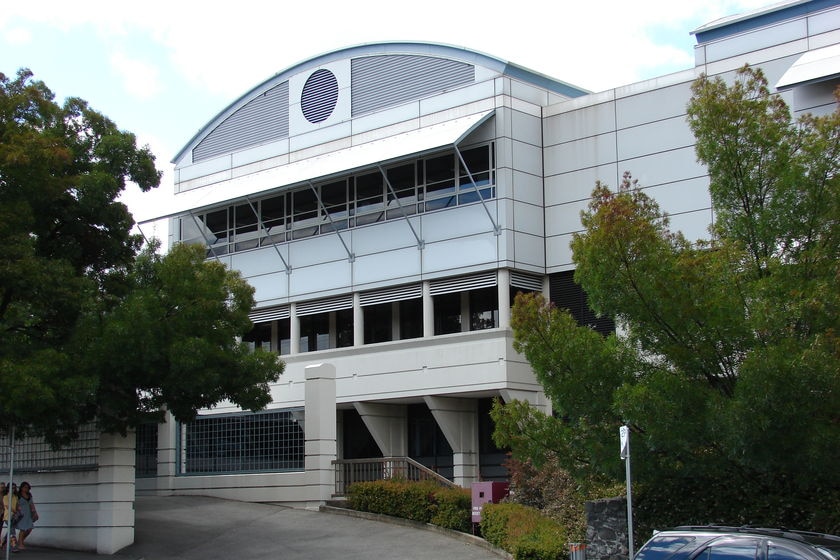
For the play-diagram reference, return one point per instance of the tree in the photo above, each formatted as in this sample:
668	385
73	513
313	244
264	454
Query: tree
727	365
72	282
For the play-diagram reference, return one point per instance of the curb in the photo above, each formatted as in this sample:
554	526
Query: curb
457	535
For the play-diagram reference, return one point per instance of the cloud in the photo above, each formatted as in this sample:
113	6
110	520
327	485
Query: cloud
140	79
18	36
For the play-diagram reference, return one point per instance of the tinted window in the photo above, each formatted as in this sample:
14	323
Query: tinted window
660	548
730	551
779	553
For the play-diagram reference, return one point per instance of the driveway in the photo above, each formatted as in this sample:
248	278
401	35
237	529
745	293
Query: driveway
200	528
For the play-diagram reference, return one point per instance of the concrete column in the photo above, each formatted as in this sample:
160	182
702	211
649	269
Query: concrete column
388	424
458	420
503	287
167	456
358	321
294	330
115	493
320	430
428	311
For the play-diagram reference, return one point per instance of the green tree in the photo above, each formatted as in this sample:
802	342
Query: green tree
75	292
727	365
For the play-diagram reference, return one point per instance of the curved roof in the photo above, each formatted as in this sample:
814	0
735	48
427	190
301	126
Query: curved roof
435	50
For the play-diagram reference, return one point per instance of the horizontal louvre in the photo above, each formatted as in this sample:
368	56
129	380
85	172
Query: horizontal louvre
566	294
391	294
324	305
387	80
462	283
526	281
263	119
269	314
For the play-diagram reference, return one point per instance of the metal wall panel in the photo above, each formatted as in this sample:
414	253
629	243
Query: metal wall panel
263	119
384	81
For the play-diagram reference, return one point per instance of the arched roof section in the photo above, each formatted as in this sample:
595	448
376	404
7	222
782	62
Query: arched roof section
380	75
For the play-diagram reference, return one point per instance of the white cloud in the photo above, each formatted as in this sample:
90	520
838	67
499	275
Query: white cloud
18	36
140	79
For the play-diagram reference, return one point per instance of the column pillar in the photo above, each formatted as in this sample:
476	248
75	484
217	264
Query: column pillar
458	420
320	431
428	311
503	286
115	493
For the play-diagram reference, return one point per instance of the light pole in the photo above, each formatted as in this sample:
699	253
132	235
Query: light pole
624	436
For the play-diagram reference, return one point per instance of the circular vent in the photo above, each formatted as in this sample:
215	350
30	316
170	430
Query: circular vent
320	94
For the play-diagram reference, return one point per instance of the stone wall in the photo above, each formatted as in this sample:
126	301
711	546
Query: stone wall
606	529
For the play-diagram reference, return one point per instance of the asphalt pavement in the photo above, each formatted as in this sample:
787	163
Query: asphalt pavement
201	528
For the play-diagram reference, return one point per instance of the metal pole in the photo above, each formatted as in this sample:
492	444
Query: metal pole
629	500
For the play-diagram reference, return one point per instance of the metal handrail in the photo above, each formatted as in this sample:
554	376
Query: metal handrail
350	471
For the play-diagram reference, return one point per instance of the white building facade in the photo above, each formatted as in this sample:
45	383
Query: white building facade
387	201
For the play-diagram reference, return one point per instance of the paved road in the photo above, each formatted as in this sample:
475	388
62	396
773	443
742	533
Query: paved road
199	528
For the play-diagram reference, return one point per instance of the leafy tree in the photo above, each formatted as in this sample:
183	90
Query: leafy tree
75	297
727	361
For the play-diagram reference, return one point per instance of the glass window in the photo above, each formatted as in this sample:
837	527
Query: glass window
344	328
662	548
411	318
304	213
315	332
484	309
284	336
369	198
259	337
334	199
217	231
779	553
744	550
447	313
440	182
378	323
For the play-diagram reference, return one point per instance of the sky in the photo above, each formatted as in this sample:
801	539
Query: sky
162	70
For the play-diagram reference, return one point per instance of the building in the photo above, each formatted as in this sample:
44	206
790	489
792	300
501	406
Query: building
387	201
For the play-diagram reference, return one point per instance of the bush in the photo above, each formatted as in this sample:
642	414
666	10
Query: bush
425	502
523	531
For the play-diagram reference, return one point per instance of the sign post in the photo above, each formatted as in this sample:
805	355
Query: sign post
624	436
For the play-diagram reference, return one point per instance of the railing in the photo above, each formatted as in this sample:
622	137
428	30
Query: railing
350	471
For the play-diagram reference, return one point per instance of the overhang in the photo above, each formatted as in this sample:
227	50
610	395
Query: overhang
813	66
342	161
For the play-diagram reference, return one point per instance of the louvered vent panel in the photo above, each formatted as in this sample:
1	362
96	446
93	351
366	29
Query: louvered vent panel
526	281
566	294
324	305
269	314
263	119
319	96
383	81
391	294
462	283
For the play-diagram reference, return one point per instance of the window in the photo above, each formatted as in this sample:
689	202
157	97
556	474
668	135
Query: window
268	441
411	318
425	184
259	337
378	323
369	198
343	328
484	309
447	313
315	332
744	550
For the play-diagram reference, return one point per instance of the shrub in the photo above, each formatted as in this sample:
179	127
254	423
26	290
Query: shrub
523	531
425	502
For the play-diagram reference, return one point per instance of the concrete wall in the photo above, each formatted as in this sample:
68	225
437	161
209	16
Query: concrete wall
90	510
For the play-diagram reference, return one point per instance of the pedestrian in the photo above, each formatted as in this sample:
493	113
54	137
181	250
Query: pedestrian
11	514
29	515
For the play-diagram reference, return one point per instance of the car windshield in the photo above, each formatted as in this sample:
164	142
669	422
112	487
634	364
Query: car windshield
663	548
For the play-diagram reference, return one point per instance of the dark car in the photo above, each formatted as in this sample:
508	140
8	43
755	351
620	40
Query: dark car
738	543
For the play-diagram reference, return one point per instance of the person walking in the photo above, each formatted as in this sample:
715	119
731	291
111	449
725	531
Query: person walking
11	513
29	515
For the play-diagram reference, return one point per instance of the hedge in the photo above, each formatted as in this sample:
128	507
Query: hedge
523	531
426	502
